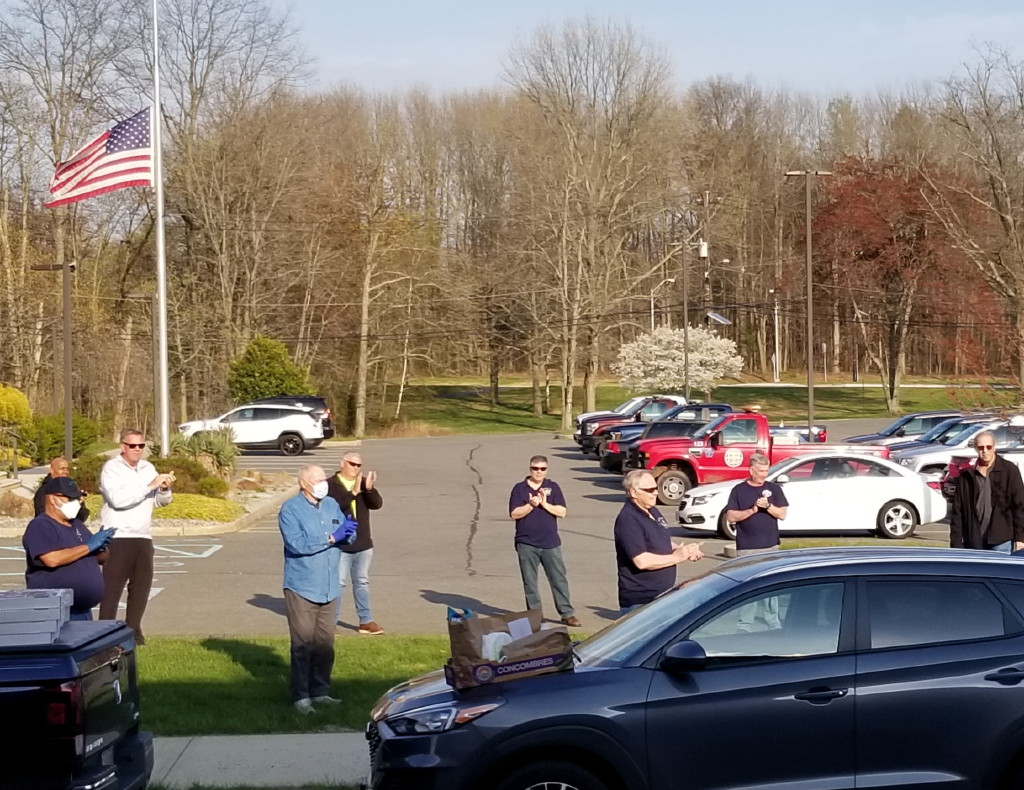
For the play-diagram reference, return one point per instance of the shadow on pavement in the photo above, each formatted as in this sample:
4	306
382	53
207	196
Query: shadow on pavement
457	601
605	497
604	613
271	603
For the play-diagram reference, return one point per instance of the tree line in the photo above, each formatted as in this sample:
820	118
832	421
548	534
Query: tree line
531	229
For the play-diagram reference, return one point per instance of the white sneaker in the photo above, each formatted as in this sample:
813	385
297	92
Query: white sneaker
305	706
326	700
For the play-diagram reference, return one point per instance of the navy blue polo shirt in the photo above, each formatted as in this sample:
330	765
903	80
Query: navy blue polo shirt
45	534
538	528
761	530
637	532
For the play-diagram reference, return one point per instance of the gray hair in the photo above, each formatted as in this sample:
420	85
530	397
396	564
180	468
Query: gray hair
631	479
989	434
129	432
352	454
306	472
759	459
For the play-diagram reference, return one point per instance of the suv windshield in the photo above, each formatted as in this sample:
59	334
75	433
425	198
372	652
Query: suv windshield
628	636
625	406
942	430
891	428
961	436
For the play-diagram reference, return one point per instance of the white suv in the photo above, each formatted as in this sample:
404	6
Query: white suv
290	429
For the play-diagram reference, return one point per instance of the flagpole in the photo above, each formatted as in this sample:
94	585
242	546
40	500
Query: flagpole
162	409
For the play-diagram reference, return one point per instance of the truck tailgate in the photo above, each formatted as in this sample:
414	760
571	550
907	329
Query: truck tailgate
65	703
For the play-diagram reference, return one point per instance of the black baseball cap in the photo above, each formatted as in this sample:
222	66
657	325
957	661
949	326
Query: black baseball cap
62	486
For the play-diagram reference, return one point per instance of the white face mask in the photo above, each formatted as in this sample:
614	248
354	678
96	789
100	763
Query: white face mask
319	490
70	508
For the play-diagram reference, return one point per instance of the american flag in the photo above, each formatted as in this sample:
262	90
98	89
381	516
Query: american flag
120	157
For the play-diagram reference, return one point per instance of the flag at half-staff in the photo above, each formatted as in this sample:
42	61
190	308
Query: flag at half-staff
120	157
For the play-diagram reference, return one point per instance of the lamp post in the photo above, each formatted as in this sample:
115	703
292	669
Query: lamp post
654	290
808	179
155	318
66	269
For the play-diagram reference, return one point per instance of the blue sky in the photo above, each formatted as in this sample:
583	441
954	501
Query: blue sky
869	45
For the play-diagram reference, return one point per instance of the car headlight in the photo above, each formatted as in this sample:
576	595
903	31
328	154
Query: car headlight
906	461
702	499
439	718
588	429
615	435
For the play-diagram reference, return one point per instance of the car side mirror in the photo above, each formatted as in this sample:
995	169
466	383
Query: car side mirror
684	656
901	432
714	439
782	479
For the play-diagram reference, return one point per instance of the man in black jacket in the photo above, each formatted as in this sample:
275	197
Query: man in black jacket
988	507
358	495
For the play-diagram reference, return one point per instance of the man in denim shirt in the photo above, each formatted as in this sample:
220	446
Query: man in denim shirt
313	527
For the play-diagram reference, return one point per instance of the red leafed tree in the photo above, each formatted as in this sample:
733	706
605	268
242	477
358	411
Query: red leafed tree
886	244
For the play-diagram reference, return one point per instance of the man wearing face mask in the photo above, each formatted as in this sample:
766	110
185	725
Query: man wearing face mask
59	467
313	529
61	552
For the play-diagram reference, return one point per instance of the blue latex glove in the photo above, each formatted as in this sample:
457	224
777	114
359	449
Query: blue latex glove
346	533
99	540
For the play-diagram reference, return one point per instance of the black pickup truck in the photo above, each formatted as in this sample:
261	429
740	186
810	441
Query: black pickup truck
69	712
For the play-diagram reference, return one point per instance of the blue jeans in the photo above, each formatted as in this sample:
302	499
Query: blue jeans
554	568
627	609
1006	547
356	565
87	615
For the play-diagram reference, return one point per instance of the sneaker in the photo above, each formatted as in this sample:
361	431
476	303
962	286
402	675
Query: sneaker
305	706
572	622
323	699
370	629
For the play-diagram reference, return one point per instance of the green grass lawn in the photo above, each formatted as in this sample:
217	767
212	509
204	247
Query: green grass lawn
437	408
239	686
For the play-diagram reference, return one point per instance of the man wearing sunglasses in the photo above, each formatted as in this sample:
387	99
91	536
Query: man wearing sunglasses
536	504
988	506
131	488
357	495
644	553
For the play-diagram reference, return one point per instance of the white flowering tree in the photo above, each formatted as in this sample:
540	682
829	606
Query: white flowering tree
655	361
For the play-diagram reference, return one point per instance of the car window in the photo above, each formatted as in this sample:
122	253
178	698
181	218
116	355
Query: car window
783	623
239	415
814	469
740	432
857	467
961	436
631	635
268	414
1015	593
1007	438
914	425
904	613
652	410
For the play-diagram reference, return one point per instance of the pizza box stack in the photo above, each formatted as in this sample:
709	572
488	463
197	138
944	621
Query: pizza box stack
32	617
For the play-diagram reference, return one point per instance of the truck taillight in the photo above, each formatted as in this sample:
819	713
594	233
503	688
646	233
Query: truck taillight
934	484
64	711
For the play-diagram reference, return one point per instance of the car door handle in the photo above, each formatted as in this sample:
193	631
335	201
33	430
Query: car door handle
1006	677
821	696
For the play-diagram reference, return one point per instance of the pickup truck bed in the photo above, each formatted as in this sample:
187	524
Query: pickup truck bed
69	712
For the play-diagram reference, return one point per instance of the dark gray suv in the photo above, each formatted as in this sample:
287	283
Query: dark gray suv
818	668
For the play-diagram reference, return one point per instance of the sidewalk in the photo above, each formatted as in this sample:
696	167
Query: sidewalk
294	760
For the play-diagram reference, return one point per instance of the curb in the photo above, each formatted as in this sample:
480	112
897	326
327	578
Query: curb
240	524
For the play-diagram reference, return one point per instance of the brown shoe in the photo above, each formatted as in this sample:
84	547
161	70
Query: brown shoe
370	629
572	622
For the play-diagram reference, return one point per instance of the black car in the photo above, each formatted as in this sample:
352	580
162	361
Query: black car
680	421
314	403
816	668
905	428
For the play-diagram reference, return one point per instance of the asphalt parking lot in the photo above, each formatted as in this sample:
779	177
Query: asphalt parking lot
442	538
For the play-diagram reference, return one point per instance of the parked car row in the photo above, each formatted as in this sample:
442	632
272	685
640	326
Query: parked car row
291	424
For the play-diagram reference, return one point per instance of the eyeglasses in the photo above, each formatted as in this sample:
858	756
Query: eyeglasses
648	490
538	469
353	463
986	447
133	446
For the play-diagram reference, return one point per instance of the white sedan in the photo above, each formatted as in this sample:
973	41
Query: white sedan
830	492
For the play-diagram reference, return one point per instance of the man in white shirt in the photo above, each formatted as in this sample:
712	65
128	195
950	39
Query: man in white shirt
131	488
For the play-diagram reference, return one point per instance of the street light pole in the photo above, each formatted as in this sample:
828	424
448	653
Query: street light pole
808	179
776	362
